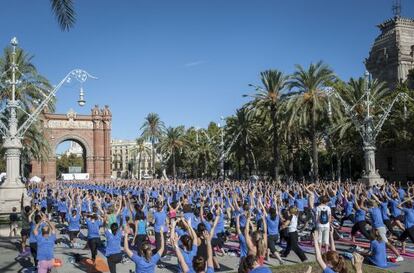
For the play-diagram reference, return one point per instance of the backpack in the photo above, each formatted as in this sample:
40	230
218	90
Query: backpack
324	217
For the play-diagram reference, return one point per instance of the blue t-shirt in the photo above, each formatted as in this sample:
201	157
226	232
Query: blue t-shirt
300	204
160	217
144	266
379	253
74	222
395	211
408	217
32	237
113	242
376	216
348	208
359	215
261	269
328	270
272	225
93	228
188	258
384	211
45	247
62	206
142	227
243	246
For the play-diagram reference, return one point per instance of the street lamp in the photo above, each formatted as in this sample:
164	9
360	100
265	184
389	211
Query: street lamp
367	128
11	190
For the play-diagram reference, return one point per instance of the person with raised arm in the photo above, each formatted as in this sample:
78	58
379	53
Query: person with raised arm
331	261
45	244
146	262
113	252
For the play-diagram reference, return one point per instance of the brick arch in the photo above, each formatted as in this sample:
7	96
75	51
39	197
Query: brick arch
74	137
92	131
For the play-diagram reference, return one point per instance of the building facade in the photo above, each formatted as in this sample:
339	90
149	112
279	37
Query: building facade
390	60
129	161
392	54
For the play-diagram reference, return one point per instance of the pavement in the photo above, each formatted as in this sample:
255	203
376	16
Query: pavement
73	258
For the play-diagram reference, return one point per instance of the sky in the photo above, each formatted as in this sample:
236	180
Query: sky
190	61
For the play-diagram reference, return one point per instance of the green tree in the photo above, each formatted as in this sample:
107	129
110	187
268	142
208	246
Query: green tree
241	133
152	129
171	143
311	100
266	103
32	89
138	151
64	12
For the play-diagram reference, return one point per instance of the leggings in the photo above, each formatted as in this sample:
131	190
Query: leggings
113	260
408	233
389	226
93	244
349	217
158	243
292	244
33	250
361	227
272	242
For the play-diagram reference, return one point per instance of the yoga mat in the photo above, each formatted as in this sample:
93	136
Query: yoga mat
360	244
100	265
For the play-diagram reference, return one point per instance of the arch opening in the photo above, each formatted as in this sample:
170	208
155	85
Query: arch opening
70	157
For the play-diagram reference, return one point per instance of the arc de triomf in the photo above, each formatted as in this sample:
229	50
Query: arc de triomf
92	132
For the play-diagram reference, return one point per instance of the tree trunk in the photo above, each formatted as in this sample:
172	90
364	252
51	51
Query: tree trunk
173	159
139	166
290	158
153	157
314	145
276	155
339	167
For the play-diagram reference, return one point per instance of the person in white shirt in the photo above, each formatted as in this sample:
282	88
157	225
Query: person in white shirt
292	238
323	222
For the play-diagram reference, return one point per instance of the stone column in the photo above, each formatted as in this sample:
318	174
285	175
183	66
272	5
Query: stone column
107	118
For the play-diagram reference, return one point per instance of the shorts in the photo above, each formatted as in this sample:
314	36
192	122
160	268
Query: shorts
14	225
383	233
25	232
323	235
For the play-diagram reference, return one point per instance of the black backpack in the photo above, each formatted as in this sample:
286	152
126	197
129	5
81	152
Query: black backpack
324	217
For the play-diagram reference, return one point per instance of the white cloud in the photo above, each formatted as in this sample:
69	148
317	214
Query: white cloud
194	63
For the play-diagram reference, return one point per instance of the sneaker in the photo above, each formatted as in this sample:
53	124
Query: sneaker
359	249
399	259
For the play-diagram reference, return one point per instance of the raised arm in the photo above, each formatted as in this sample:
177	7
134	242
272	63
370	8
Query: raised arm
249	242
209	250
126	243
318	250
180	257
161	250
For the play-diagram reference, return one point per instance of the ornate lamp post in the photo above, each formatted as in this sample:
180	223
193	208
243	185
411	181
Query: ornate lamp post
11	190
368	128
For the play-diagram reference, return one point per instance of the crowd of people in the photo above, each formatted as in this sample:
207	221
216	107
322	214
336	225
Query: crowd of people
148	221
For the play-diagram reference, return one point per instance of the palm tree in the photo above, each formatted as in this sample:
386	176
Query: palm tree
266	103
32	89
311	100
152	129
64	12
171	142
139	150
241	132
